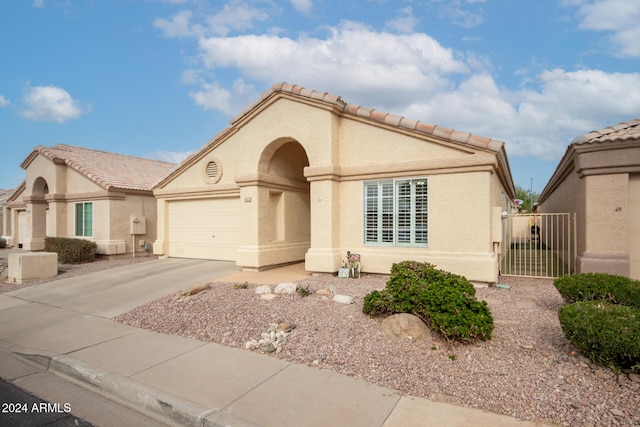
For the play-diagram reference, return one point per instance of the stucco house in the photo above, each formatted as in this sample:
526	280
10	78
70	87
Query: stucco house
83	193
300	175
4	196
599	178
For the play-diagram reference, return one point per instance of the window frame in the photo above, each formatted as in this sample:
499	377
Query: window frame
376	211
84	217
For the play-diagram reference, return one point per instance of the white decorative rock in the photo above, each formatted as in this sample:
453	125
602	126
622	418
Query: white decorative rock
263	289
286	288
343	299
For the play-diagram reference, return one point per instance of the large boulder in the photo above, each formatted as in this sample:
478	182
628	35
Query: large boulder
406	325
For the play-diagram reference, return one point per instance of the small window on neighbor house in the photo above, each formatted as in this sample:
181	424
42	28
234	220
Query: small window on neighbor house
396	212
84	219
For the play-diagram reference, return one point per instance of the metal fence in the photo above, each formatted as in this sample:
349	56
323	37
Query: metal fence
538	245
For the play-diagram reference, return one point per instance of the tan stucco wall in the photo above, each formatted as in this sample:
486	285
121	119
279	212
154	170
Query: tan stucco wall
459	234
342	153
593	181
606	226
241	153
10	227
119	220
6	221
634	225
569	197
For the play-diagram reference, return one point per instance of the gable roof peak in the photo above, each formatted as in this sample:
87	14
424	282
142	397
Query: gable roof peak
375	116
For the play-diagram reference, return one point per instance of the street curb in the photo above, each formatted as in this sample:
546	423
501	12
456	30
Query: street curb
142	397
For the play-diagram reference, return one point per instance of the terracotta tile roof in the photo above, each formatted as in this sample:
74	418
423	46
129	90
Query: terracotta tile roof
109	170
620	132
334	101
5	194
377	116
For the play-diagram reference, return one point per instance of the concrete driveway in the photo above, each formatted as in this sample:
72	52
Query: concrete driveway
108	293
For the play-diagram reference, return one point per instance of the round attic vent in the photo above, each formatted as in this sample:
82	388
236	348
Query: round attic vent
212	171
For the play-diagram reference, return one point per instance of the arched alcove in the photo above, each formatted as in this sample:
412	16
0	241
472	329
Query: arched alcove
283	208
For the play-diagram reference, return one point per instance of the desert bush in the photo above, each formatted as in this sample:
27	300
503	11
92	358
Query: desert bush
71	251
599	287
604	332
445	301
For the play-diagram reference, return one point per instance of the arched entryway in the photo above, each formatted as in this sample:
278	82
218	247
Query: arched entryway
277	208
36	212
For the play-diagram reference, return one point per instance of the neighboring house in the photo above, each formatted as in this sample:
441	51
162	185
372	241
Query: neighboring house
301	175
4	196
599	179
90	194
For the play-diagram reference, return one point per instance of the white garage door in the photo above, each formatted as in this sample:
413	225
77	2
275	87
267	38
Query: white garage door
634	225
203	228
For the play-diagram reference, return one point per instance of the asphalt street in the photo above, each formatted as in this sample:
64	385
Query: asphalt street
22	409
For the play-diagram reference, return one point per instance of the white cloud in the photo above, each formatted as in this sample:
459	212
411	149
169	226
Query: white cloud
536	122
302	6
4	102
178	26
191	76
460	13
212	96
234	16
169	156
39	4
342	62
405	22
50	104
413	75
618	17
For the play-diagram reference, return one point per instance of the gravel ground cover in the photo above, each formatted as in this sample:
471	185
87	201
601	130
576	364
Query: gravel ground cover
528	370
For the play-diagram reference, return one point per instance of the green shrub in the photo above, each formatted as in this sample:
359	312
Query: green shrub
444	300
3	243
71	251
599	286
604	332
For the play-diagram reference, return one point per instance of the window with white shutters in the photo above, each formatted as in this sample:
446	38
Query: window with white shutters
396	212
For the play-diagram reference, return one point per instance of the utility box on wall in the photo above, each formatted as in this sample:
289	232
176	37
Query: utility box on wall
138	224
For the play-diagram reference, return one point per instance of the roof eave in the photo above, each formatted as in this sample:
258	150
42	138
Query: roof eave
13	197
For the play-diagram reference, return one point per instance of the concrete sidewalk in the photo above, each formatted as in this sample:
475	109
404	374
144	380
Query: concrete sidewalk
192	383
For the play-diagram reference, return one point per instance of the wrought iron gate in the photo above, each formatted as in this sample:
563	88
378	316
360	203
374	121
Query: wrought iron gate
538	245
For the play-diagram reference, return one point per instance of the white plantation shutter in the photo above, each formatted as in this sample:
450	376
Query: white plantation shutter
395	212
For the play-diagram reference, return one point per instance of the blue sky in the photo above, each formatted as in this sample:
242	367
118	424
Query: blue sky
160	78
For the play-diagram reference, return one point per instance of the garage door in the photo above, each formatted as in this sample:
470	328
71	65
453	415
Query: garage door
203	228
634	225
